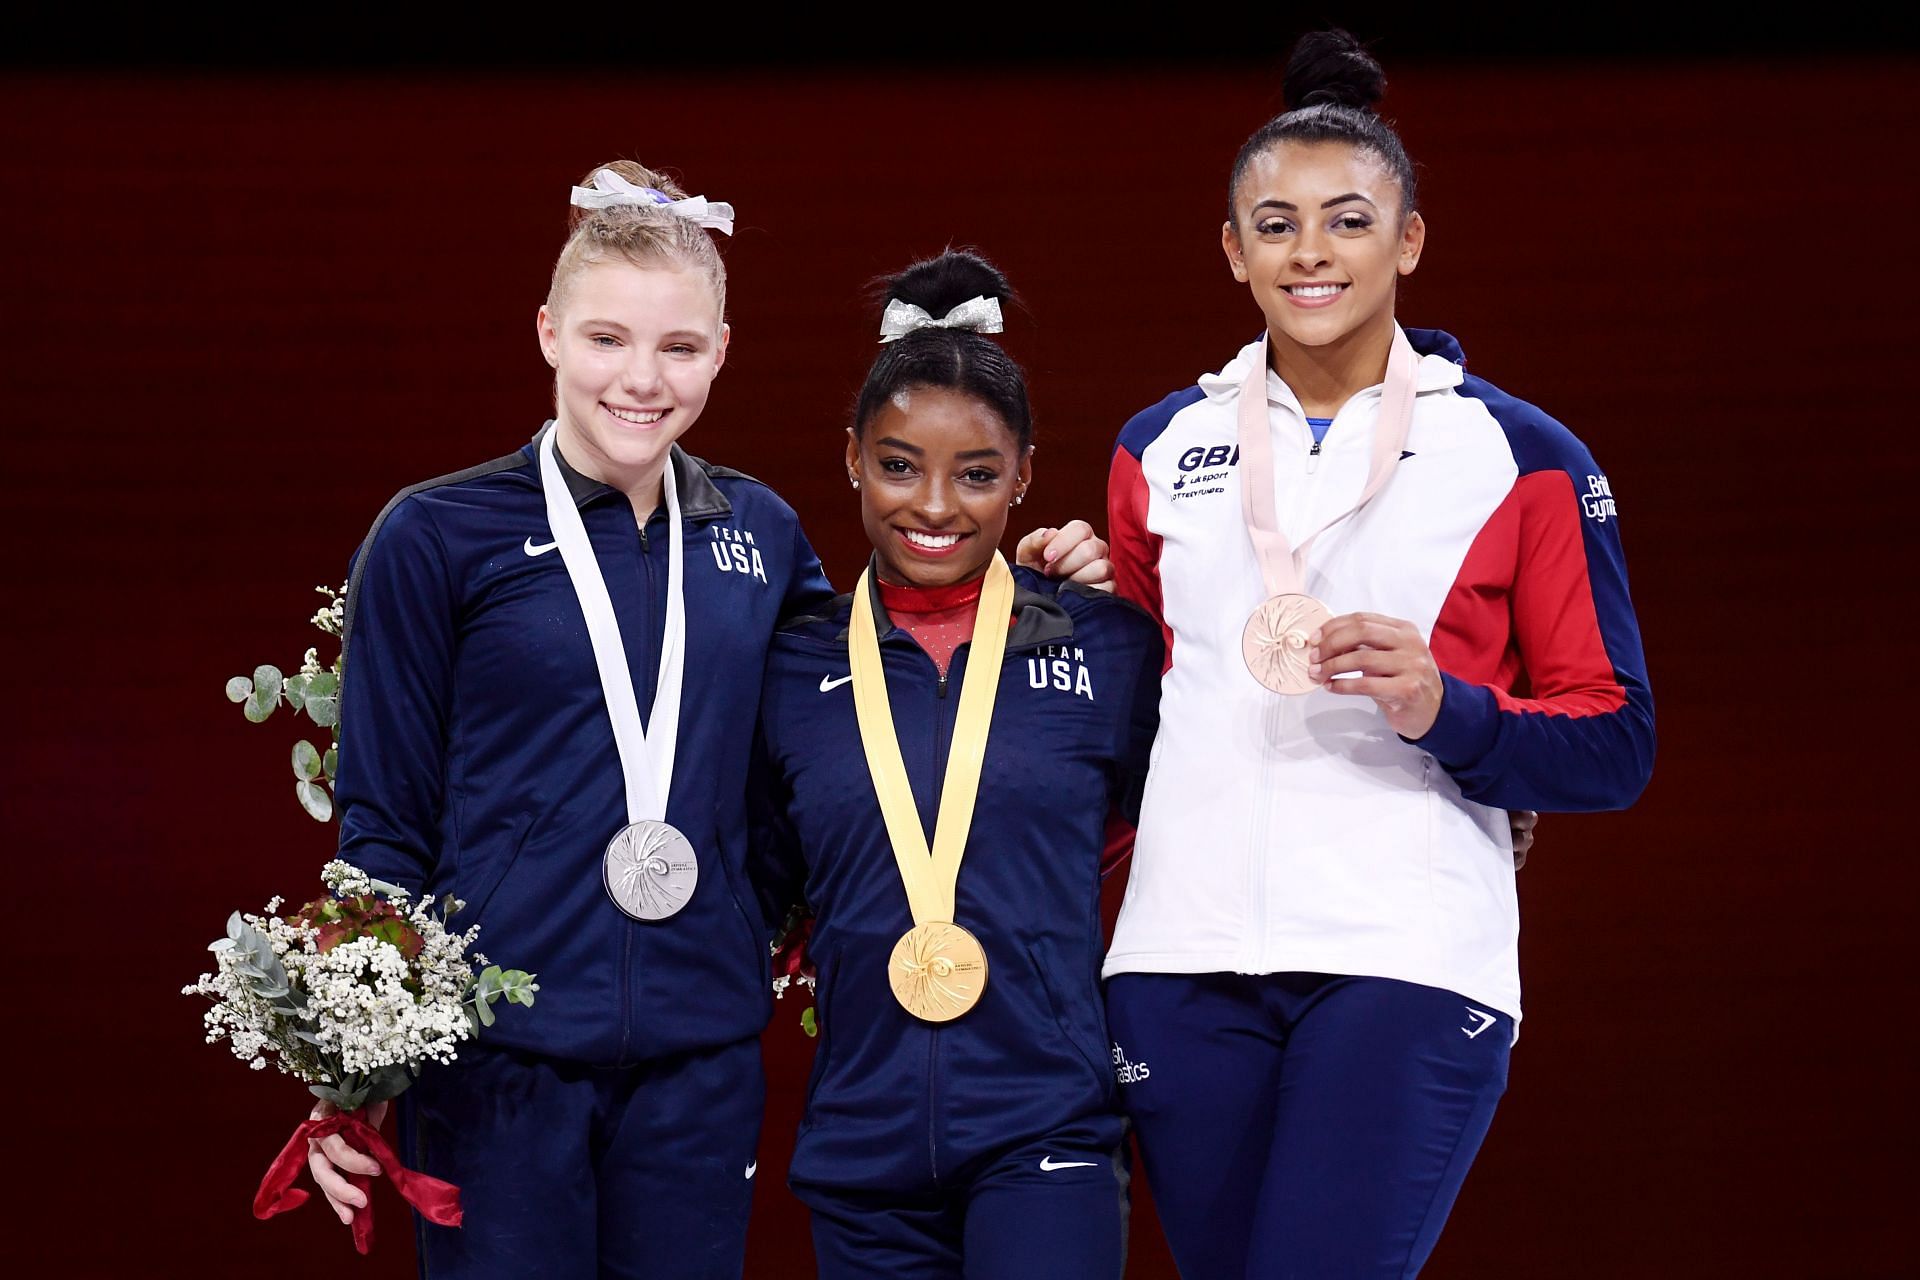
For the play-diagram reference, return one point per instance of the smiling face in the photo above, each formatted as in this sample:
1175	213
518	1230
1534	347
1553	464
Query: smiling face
634	350
1318	237
937	471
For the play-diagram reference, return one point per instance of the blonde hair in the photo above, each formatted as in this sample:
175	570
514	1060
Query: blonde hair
644	235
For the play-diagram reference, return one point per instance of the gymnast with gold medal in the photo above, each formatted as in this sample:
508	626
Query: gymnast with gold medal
939	754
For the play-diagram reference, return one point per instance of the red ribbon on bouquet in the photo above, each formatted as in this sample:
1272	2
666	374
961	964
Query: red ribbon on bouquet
437	1201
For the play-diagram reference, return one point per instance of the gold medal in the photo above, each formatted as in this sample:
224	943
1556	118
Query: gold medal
938	971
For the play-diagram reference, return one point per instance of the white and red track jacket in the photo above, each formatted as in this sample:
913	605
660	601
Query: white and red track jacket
1301	834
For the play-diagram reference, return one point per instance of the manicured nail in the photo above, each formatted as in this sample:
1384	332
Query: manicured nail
1313	669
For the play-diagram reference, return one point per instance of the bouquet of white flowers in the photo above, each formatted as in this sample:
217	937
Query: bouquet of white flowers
352	993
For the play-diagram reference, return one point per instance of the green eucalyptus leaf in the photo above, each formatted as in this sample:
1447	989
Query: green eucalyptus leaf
386	889
808	1023
258	709
329	762
325	684
388	1083
294	690
306	761
220	944
324	710
266	682
239	689
485	1014
314	799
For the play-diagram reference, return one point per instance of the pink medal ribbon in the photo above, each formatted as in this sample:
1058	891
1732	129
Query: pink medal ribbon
1274	643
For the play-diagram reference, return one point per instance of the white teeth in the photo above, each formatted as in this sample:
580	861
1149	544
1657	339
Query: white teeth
1314	290
931	541
638	419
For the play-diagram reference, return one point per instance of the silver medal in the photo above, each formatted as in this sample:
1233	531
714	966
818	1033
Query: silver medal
650	870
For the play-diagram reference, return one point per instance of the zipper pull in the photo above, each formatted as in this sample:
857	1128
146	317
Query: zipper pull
1313	458
942	689
643	537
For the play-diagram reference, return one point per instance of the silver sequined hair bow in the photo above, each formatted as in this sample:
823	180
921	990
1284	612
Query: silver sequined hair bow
982	315
610	189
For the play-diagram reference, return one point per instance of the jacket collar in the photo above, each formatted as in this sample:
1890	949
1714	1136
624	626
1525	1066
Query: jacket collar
1038	619
700	498
1441	367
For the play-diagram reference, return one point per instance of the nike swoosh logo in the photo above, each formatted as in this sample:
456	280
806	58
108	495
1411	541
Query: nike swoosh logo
828	683
752	1167
539	550
1049	1164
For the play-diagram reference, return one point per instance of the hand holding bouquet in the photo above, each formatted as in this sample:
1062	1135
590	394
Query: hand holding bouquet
352	993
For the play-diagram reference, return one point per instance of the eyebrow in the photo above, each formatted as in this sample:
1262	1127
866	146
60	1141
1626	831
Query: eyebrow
894	442
1325	204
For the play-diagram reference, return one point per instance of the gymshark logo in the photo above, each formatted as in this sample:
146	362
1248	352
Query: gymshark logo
1405	454
1481	1017
750	1168
1048	1164
828	683
539	549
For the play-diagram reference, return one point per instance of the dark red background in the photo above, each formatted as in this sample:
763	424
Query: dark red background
247	309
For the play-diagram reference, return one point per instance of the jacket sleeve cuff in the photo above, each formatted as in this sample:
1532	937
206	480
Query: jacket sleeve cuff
1468	724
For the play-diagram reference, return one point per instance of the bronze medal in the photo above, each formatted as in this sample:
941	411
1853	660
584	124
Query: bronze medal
1275	642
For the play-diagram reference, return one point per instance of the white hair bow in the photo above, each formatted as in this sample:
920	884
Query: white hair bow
610	189
982	315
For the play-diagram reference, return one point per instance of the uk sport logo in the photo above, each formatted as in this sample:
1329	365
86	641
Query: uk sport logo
1128	1072
1597	501
734	552
1201	469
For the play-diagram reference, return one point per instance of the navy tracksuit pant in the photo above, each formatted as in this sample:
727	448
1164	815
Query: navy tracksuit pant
570	1171
1054	1209
1304	1125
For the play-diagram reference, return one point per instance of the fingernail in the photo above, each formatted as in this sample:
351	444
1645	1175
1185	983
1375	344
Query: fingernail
1313	655
1313	669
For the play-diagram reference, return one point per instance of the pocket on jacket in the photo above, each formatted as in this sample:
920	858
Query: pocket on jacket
1087	1034
476	900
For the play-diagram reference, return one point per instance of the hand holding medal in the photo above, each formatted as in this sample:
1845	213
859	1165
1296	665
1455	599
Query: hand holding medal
1395	668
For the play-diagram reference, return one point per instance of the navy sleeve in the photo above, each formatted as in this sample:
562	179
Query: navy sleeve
808	590
774	861
1144	661
396	689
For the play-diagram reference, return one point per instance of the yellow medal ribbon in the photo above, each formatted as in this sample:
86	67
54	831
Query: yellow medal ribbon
938	969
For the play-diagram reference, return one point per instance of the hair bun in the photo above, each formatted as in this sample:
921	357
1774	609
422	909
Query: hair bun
938	285
1332	67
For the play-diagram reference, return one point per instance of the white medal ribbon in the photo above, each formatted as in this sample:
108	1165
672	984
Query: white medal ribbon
646	756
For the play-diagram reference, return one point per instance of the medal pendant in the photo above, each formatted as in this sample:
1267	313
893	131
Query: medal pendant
938	971
650	870
1274	643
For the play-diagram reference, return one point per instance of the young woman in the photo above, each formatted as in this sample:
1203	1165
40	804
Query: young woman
554	665
1396	608
942	750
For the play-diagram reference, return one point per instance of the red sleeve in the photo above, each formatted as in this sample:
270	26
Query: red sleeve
1134	551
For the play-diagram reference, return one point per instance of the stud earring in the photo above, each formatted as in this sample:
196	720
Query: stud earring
853	480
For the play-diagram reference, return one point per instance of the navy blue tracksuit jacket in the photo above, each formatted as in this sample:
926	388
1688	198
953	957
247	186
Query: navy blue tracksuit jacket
894	1102
477	759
